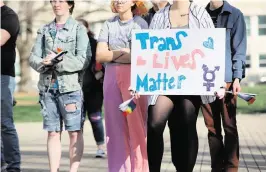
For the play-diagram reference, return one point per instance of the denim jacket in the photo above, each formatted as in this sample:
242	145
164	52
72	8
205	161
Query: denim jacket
233	20
72	38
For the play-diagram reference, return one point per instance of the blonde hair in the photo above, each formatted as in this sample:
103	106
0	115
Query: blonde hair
138	9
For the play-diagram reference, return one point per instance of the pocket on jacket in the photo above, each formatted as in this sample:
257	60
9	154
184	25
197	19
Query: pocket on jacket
67	43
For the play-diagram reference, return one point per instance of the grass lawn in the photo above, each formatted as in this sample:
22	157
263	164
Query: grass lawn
259	106
28	109
29	113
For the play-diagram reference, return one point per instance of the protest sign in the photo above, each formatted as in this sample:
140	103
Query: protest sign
178	61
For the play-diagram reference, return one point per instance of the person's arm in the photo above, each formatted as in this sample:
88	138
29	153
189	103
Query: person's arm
9	27
239	47
35	59
103	54
126	57
80	60
5	36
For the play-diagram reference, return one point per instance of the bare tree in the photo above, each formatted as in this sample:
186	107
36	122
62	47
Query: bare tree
24	43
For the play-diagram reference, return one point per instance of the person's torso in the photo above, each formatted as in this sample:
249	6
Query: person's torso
226	17
55	39
8	50
119	32
198	18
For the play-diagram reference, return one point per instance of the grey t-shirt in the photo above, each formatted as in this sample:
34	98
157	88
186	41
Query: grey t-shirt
117	33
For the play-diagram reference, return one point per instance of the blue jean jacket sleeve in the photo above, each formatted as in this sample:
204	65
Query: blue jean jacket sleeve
79	61
239	47
35	58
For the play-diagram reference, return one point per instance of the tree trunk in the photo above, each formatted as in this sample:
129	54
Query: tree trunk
24	47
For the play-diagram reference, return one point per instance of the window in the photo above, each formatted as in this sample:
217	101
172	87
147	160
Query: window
263	60
262	25
247	21
248	61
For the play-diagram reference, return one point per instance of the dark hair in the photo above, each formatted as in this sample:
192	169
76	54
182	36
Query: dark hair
134	7
70	3
86	24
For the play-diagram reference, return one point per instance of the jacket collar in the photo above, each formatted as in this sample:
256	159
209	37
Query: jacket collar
68	25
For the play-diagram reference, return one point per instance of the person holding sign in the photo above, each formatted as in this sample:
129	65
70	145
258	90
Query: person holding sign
225	156
126	135
60	91
180	111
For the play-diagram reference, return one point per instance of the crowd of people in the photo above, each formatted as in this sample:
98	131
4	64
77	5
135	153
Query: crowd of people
93	73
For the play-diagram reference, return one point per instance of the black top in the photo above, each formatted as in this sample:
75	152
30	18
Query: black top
214	14
10	23
90	83
148	17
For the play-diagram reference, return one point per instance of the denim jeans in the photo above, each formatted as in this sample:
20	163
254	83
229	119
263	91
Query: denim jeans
93	102
9	137
54	110
97	127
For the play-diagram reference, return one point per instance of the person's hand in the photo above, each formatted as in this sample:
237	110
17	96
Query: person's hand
48	59
220	93
134	93
98	75
236	86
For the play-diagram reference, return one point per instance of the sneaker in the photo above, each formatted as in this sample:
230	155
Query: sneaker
100	153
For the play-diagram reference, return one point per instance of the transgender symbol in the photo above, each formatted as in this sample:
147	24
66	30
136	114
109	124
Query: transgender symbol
209	81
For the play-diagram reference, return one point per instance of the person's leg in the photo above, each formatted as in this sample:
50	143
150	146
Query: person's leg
54	150
157	118
136	123
98	130
231	140
117	134
52	124
212	117
71	108
93	105
8	131
183	132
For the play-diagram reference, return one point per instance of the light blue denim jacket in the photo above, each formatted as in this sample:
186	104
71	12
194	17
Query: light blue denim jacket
72	38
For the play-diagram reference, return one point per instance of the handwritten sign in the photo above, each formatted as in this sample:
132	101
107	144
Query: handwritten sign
178	61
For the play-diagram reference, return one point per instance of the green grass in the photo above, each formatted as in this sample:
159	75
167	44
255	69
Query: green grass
31	113
28	98
259	106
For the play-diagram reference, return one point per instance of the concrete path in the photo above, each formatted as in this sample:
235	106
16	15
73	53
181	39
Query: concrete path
252	132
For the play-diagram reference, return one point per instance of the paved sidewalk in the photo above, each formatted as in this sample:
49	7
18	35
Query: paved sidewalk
252	132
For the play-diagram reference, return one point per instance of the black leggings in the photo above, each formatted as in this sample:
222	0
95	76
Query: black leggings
181	113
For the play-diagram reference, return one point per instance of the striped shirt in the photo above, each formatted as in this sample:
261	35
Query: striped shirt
198	18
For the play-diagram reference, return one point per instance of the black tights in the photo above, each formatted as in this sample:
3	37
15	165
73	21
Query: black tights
181	113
